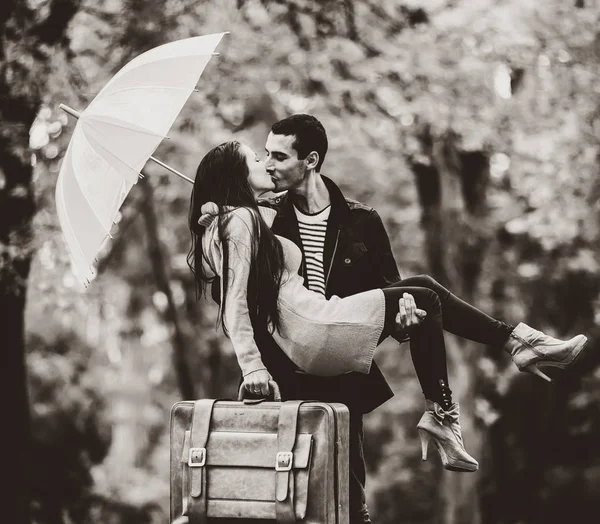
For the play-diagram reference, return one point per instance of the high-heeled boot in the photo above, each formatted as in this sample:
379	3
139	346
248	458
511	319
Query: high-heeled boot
442	426
530	348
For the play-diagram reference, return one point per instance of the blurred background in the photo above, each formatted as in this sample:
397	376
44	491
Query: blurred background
472	126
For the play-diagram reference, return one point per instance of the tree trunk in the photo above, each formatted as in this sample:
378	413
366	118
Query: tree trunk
452	195
23	75
15	402
158	262
16	213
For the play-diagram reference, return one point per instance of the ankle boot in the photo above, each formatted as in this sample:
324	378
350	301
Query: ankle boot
442	426
530	348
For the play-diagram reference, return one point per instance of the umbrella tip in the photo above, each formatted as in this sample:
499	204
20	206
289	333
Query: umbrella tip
70	110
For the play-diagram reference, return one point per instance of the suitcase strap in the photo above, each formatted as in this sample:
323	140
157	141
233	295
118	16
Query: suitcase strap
196	503
284	478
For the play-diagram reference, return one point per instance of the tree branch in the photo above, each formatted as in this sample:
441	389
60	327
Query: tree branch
157	261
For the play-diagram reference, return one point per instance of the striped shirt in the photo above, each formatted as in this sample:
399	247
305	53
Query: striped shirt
312	233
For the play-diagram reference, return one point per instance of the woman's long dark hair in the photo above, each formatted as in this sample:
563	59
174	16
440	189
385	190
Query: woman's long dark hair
222	178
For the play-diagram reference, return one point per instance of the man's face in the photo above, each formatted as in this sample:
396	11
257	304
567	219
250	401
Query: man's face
282	163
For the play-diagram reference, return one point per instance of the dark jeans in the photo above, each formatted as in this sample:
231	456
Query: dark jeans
445	311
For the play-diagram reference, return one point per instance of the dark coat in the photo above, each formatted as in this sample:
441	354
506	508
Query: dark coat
357	257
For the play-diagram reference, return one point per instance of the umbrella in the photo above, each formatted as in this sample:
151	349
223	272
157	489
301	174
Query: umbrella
116	135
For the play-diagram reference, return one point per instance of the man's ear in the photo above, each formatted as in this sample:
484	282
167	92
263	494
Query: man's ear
312	160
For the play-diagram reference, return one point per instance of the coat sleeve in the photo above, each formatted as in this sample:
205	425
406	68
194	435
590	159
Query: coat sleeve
239	236
384	262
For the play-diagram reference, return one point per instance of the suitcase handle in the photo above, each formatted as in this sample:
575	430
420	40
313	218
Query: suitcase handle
274	390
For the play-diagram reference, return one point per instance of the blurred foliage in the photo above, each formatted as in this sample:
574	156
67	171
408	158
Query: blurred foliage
71	432
472	127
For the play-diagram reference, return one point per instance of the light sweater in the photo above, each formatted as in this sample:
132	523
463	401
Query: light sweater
321	336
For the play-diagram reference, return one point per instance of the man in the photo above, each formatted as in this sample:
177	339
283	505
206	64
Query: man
346	250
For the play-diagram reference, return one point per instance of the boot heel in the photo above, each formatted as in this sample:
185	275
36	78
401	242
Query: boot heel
424	443
532	368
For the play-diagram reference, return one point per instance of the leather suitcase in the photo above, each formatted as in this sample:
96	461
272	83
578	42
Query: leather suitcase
259	461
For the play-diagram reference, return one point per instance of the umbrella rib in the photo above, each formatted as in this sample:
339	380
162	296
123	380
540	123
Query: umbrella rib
77	115
196	56
140	175
70	246
110	152
122	124
175	88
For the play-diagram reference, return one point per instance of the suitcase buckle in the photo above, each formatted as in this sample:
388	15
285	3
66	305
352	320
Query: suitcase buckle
283	461
197	457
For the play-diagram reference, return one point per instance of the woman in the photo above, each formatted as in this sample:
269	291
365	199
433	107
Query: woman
260	285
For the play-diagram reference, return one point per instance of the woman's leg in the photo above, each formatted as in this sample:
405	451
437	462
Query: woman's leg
528	347
461	318
427	346
440	421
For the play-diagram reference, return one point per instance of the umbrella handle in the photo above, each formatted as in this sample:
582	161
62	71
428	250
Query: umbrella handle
77	114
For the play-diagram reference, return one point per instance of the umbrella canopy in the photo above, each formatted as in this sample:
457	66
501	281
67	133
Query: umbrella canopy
116	135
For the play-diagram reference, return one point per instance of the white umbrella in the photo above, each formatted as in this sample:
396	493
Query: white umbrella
116	135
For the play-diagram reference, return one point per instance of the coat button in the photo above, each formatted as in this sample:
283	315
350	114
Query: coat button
347	261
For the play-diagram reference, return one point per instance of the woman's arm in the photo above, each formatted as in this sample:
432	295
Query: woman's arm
239	230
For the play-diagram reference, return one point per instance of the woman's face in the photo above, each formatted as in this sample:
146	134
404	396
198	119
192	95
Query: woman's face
258	178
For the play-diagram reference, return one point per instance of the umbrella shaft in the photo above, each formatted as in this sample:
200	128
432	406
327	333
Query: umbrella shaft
169	168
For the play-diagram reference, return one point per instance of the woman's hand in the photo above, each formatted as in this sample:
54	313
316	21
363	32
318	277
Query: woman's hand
409	315
257	382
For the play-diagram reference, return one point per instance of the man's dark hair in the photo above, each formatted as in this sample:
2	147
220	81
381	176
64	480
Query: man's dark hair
309	132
